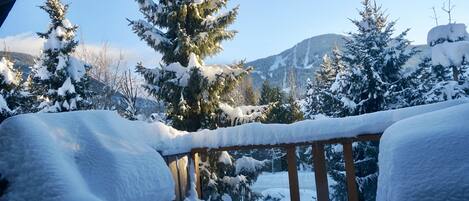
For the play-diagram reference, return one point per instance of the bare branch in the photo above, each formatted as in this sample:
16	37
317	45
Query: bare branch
448	10
435	16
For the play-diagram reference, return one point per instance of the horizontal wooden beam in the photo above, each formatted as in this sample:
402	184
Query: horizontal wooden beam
363	137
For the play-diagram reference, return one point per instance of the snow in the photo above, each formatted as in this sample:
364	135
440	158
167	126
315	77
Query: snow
447	33
279	61
348	103
211	72
147	31
52	43
76	68
41	71
242	114
225	158
6	70
450	54
67	86
276	185
87	155
192	190
303	131
235	182
426	157
3	105
248	164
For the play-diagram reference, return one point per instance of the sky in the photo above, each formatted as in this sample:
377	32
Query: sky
266	27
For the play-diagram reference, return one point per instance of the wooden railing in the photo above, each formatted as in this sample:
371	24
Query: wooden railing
178	166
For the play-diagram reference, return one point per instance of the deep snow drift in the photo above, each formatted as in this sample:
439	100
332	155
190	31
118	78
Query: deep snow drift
78	156
99	156
308	130
426	157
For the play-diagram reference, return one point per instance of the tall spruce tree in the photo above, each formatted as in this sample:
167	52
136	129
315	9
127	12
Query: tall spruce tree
373	60
319	99
58	81
11	91
185	32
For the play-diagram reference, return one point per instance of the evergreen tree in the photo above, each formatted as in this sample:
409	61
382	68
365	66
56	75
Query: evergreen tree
59	81
319	98
283	110
373	60
185	33
293	111
270	94
249	95
11	92
445	76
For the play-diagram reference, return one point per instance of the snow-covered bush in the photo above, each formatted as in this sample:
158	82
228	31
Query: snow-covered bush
445	75
12	95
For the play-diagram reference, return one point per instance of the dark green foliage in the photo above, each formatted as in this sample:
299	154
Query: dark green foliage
283	110
221	178
270	94
180	28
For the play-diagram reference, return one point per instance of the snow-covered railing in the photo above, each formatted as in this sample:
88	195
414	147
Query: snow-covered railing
315	133
178	165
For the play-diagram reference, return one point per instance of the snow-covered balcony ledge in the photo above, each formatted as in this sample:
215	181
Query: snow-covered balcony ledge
253	134
189	147
97	155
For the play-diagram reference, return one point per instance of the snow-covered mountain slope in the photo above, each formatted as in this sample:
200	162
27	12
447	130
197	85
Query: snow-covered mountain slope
301	61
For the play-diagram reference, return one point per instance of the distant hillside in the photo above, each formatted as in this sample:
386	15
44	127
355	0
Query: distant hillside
22	61
302	60
25	61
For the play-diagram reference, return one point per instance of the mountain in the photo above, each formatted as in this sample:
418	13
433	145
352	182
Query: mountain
297	64
145	106
21	61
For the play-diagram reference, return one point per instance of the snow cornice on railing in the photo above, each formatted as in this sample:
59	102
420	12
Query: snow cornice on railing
299	132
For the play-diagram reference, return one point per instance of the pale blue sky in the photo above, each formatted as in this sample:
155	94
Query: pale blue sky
265	27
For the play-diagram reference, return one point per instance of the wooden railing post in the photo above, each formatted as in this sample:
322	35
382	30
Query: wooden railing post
292	173
350	171
320	172
173	167
196	159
